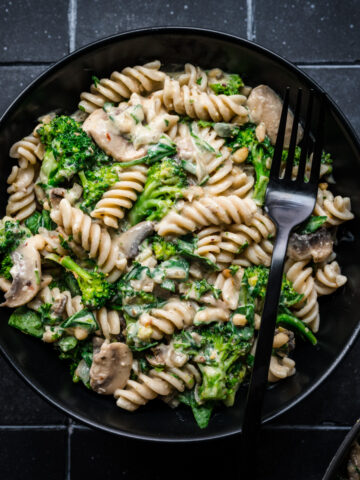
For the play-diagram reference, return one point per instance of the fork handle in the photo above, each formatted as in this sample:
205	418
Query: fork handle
258	382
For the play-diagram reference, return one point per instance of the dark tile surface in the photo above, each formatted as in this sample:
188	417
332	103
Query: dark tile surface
342	85
309	30
99	18
333	402
32	454
13	80
20	405
32	31
314	449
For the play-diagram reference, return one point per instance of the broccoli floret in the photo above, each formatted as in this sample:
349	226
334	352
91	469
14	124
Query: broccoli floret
220	351
164	185
5	267
68	150
95	182
163	250
198	288
230	84
258	153
95	290
313	224
255	280
11	234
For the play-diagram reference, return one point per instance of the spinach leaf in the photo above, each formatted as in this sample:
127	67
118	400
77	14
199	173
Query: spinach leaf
27	321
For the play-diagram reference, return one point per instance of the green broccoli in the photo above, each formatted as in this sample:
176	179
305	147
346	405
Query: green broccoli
258	154
11	235
230	84
163	250
5	267
220	351
164	185
95	290
95	182
255	280
68	150
254	283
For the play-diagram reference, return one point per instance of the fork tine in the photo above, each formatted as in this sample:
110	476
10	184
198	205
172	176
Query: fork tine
275	165
319	140
294	130
306	139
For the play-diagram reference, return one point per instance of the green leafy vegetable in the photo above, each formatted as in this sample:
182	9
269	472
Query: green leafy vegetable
27	321
96	291
158	151
84	319
313	224
68	150
202	413
164	185
39	220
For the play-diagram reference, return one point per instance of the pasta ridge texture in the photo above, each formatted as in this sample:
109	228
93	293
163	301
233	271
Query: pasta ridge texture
156	383
139	79
92	237
208	210
203	106
21	202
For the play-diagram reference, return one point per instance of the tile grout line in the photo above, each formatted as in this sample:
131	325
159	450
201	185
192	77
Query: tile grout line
32	427
70	429
250	20
72	19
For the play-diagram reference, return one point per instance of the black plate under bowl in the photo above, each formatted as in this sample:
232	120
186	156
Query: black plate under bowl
337	468
60	87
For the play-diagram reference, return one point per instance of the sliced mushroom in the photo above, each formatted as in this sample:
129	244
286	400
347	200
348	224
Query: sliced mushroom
56	195
107	136
317	246
265	106
26	273
110	368
130	240
167	355
353	466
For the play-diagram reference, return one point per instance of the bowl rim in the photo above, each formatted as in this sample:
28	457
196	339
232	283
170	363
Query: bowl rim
252	46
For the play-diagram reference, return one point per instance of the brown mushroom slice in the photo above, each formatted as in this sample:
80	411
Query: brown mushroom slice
56	195
26	273
265	106
107	136
316	246
167	355
130	240
110	368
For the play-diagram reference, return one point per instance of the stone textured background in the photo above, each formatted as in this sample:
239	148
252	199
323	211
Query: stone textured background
323	38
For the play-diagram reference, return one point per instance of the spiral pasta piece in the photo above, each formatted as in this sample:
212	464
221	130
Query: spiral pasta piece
303	282
329	278
336	209
28	150
255	254
21	203
193	77
229	285
209	239
203	106
109	322
280	368
92	237
139	79
121	196
64	305
148	386
208	210
175	315
237	238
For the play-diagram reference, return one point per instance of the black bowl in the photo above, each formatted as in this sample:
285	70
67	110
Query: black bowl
338	464
60	87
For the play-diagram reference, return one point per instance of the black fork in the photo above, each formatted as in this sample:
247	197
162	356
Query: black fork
288	202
